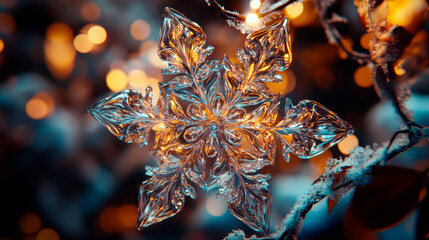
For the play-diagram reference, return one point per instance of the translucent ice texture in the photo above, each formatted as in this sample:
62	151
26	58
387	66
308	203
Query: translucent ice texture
217	111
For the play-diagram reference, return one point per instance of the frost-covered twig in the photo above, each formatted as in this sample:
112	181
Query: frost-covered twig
342	175
334	36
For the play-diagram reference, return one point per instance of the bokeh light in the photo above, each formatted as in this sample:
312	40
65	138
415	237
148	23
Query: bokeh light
82	43
128	216
7	3
29	223
255	4
90	11
252	19
140	30
109	220
324	78
59	51
40	106
36	108
116	80
398	67
153	57
365	40
347	144
363	77
97	34
287	84
7	23
319	162
1	45
47	234
137	78
215	207
294	10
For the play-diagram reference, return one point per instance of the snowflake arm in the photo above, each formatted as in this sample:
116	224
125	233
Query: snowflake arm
220	113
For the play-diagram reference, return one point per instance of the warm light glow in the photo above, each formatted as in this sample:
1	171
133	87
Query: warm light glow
1	45
347	144
82	43
29	223
348	44
36	108
128	216
116	80
255	4
136	78
252	19
90	11
97	34
109	220
406	13
365	40
294	10
398	68
215	207
7	4
140	30
319	162
324	78
287	84
47	234
59	32
7	23
363	77
154	58
59	51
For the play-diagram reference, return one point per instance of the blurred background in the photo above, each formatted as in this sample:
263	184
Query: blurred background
64	176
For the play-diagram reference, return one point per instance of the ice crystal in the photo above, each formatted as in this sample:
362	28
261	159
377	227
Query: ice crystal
216	123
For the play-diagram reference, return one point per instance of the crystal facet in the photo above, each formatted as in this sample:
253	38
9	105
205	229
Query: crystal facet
218	111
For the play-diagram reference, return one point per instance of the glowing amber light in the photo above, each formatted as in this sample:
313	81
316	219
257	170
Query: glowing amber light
136	78
215	207
97	34
128	216
252	19
324	78
347	144
82	43
287	84
47	234
140	30
363	77
29	223
59	51
1	45
365	40
109	220
59	32
90	11
319	162
7	23
295	10
116	80
255	4
398	68
36	108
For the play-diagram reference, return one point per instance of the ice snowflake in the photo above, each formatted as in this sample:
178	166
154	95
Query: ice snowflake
216	124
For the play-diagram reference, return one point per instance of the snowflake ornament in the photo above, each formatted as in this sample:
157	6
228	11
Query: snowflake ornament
216	124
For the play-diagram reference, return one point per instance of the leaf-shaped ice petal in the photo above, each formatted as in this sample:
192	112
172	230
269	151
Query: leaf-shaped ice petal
193	133
159	198
313	128
128	114
267	51
181	43
251	202
211	145
196	112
